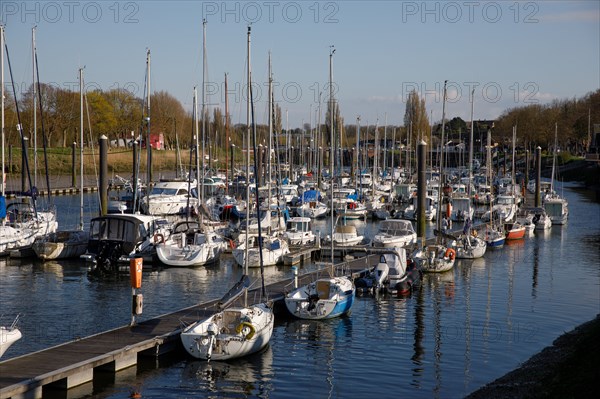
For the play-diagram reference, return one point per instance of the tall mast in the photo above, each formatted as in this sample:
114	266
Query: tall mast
248	77
204	116
332	144
199	188
270	124
227	139
81	148
148	143
3	182
512	173
440	188
385	144
358	169
34	110
471	147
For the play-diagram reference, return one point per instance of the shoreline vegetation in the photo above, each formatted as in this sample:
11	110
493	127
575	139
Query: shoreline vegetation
120	161
569	368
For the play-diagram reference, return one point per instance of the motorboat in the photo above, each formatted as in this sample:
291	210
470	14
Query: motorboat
299	231
118	238
395	233
345	236
394	274
170	197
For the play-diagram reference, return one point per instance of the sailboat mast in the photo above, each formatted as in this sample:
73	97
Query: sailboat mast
471	149
512	173
2	104
358	168
200	175
270	125
197	145
81	148
34	95
227	139
148	144
554	157
248	76
385	143
471	141
441	186
332	145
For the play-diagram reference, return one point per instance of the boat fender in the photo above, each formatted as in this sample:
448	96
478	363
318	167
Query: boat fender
474	233
450	254
246	329
158	238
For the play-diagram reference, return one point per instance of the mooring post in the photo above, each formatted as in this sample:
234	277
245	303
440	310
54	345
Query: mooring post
421	191
103	144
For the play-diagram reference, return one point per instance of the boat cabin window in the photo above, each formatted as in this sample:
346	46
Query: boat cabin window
116	230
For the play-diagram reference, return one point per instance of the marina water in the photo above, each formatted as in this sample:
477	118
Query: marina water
461	330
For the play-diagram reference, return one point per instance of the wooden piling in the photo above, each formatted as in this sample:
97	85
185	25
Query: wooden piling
103	144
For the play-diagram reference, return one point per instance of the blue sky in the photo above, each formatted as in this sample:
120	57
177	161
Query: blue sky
512	53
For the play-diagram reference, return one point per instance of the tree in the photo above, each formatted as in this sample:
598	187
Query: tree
415	117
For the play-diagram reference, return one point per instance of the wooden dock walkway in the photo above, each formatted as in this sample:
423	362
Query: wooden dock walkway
74	363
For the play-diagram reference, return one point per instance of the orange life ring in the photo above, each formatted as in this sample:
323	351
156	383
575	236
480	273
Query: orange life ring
158	238
450	253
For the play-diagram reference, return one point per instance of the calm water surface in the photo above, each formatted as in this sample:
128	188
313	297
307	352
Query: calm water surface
461	330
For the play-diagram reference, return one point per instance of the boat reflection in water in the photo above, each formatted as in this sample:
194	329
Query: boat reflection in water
249	376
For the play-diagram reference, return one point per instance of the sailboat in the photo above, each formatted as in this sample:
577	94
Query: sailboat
13	234
9	335
555	206
469	245
68	243
494	234
437	258
262	249
331	296
232	332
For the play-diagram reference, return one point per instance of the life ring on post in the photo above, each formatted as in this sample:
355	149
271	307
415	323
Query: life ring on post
450	254
158	238
246	329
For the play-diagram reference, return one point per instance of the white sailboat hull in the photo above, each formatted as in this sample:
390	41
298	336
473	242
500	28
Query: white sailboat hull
230	334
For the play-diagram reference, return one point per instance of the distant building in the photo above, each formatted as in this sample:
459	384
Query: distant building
157	141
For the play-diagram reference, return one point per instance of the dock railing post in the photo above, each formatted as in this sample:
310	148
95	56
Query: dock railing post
135	273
